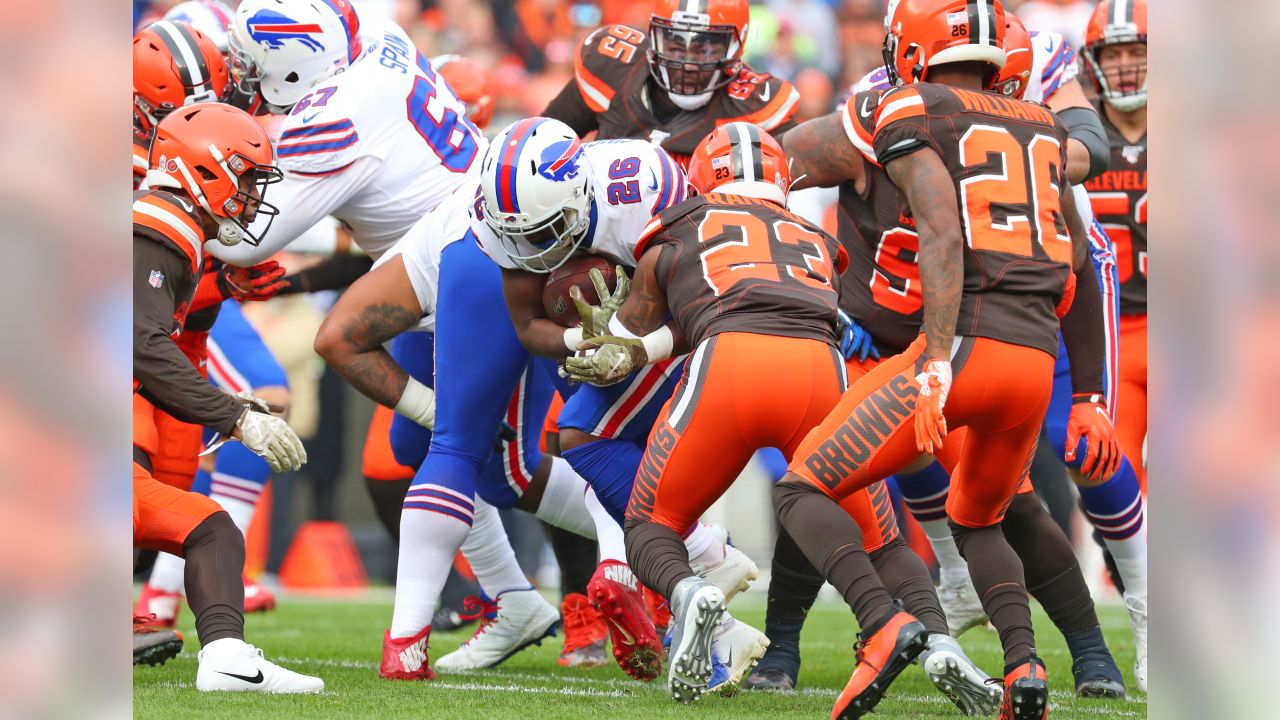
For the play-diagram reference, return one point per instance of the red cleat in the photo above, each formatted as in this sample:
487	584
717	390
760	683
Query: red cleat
162	605
257	598
659	610
615	592
406	658
1026	692
881	657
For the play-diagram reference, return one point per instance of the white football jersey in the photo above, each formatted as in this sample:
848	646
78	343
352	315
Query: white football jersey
632	180
377	146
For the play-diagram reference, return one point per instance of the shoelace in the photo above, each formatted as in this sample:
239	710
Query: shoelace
579	615
859	652
478	608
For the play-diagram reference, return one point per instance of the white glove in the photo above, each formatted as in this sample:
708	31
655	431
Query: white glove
271	438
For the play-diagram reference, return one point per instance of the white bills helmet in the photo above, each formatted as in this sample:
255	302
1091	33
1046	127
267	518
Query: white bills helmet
283	48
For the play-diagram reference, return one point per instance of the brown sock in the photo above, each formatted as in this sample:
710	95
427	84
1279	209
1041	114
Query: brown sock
657	555
833	543
997	576
907	579
1052	573
214	552
576	557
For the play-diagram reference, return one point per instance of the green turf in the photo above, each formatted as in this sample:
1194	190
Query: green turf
341	642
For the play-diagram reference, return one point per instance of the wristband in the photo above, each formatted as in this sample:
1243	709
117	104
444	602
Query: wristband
572	338
657	344
418	403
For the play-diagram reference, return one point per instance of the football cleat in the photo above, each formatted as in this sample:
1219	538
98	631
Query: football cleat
957	677
236	666
738	646
882	656
1026	692
779	669
961	605
257	598
1097	676
474	607
1137	605
584	633
153	646
732	575
163	605
615	593
697	608
406	658
523	619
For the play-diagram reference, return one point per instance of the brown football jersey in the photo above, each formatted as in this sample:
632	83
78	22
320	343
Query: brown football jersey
612	74
1007	158
735	264
1119	199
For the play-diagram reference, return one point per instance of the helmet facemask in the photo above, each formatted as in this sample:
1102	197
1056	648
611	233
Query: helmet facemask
544	245
241	208
690	62
1122	86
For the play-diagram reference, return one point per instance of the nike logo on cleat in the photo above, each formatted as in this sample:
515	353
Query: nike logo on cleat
255	679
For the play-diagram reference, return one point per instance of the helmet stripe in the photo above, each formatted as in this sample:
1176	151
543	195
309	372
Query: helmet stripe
982	21
186	54
508	164
350	23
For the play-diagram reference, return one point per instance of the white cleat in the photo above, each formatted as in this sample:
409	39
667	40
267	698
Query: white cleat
732	575
236	666
961	604
523	619
1137	605
738	647
697	607
957	677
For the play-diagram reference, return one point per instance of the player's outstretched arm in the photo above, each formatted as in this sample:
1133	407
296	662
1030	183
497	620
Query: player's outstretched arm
931	192
821	154
376	308
1088	153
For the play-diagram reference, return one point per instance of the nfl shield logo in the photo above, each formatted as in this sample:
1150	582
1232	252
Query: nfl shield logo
157	279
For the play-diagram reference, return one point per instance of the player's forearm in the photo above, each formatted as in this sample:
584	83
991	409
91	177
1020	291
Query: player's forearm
352	344
545	338
172	384
1083	335
821	155
375	374
1077	161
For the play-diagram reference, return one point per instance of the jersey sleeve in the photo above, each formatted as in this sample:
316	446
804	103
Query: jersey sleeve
666	184
900	127
603	59
763	100
1054	63
858	117
172	222
324	136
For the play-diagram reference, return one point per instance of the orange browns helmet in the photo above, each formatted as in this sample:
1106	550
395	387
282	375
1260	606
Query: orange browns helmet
1118	22
695	47
174	65
220	157
471	83
739	158
1019	54
920	34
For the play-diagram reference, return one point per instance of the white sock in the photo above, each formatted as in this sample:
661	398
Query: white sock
702	546
1130	555
431	532
167	575
488	550
608	531
951	566
562	501
238	497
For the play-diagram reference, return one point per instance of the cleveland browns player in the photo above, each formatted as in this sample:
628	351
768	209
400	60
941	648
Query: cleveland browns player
1015	240
674	84
209	166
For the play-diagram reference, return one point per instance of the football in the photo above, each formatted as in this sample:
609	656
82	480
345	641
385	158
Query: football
555	295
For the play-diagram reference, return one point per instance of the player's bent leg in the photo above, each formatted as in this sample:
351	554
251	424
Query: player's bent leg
793	588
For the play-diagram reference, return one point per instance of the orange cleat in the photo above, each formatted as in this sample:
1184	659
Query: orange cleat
160	604
659	610
257	598
406	658
615	592
1026	692
881	657
584	633
153	646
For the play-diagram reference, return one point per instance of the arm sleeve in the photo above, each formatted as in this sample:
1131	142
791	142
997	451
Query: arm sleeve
332	273
569	108
900	125
167	378
303	202
1084	125
1082	333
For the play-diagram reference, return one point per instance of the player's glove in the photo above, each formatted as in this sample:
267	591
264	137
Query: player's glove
931	424
1089	421
595	318
854	340
270	437
260	282
614	359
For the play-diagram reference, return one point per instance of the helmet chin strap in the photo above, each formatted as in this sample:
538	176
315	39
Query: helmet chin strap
690	102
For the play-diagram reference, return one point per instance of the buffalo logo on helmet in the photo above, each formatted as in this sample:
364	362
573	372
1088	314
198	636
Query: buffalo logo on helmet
559	161
272	28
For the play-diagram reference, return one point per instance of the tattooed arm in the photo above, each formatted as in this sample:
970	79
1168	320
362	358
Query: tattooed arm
821	154
931	192
376	308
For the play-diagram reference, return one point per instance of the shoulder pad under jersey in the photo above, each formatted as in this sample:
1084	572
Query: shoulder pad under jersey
604	59
172	220
760	99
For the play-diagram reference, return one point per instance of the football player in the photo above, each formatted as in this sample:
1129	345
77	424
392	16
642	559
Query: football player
1115	52
210	165
934	138
674	84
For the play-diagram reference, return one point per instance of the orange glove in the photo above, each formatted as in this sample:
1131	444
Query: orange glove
1089	420
260	282
931	424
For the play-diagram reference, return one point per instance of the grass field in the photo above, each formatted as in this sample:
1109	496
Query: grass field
340	640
